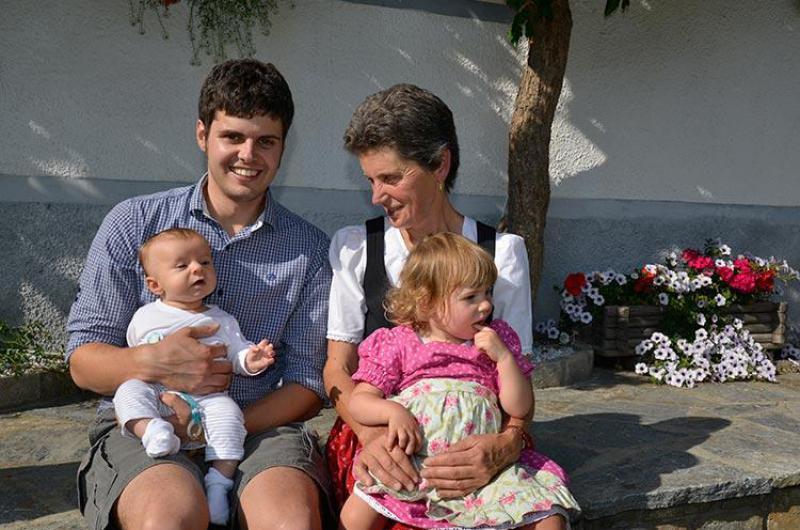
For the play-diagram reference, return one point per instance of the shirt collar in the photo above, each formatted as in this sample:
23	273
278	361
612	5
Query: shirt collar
197	204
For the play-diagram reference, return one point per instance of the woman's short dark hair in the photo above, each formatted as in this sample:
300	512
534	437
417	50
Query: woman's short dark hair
409	119
245	88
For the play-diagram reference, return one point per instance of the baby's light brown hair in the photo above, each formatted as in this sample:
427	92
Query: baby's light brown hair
170	233
437	266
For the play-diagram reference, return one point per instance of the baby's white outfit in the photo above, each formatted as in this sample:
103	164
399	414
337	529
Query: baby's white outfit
223	422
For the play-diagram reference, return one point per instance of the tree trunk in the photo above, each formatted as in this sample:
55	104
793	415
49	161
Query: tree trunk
529	133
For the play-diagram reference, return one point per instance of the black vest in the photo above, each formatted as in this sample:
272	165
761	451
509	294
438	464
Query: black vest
376	283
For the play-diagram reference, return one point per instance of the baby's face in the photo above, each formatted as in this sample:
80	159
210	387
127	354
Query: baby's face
181	271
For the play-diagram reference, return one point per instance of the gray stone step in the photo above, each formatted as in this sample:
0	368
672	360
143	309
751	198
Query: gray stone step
640	456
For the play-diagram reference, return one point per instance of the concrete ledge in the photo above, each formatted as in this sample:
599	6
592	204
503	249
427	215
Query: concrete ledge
564	370
38	389
716	457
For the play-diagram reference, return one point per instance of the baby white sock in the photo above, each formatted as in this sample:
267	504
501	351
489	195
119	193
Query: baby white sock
217	488
159	439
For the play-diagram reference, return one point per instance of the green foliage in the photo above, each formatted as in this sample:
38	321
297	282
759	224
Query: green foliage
530	11
213	25
24	349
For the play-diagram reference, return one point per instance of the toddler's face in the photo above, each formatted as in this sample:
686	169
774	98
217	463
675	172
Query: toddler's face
465	313
181	271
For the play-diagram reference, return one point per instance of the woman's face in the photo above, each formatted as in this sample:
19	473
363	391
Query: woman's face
407	192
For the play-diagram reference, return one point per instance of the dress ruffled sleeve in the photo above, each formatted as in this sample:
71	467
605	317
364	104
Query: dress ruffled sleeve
379	361
511	340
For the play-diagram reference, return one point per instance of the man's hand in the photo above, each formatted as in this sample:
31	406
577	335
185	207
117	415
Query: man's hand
259	357
182	362
469	464
392	467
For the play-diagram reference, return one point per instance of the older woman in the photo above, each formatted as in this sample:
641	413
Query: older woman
405	140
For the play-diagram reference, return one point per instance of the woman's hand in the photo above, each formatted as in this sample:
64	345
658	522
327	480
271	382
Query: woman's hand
470	463
391	466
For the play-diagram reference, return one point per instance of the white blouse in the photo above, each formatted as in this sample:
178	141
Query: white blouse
348	256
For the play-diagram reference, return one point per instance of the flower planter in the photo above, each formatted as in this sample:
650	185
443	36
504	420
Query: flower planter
621	328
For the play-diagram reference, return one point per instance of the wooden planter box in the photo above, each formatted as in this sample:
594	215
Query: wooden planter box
621	328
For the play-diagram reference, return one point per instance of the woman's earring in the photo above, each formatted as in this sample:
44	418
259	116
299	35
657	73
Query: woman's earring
441	186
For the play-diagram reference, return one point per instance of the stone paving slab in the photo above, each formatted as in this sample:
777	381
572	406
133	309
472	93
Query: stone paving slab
629	446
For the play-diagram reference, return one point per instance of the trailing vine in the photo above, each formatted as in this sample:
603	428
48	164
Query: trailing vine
213	25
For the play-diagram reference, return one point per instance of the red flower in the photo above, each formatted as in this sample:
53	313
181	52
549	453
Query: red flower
645	280
726	273
742	264
168	3
574	283
744	282
765	281
689	254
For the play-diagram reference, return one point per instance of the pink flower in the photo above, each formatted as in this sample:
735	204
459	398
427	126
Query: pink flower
489	415
542	506
471	502
437	446
450	401
689	254
508	499
574	283
700	262
422	419
469	428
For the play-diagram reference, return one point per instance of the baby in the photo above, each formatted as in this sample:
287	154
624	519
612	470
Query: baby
179	270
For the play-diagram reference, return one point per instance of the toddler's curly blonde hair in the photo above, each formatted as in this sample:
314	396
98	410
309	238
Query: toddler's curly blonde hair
438	265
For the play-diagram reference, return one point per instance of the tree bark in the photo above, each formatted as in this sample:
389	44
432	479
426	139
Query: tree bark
529	133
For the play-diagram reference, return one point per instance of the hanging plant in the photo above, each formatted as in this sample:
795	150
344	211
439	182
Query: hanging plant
213	25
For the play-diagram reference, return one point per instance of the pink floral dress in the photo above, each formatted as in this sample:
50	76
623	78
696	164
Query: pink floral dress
451	389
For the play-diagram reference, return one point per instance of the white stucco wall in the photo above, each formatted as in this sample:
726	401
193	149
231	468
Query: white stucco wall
683	101
678	121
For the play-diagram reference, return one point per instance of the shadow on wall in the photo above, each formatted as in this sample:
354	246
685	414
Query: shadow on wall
46	245
666	102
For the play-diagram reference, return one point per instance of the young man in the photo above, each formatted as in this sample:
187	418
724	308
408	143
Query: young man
273	277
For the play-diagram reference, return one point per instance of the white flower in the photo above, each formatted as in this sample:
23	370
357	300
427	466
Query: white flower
586	317
663	298
552	333
658	280
659	338
540	327
701	304
620	279
567	298
719	300
564	338
641	368
701	319
652	269
599	300
725	250
700	334
738	324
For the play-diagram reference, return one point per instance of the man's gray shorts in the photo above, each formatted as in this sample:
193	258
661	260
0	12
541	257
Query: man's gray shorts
114	460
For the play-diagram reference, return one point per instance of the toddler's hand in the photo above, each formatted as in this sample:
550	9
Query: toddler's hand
490	343
403	431
259	357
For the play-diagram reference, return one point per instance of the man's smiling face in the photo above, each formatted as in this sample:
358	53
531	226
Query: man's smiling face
244	155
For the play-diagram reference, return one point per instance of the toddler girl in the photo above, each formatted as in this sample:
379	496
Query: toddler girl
449	372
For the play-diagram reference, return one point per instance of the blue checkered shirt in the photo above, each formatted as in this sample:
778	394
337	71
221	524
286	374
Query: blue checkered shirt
273	277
